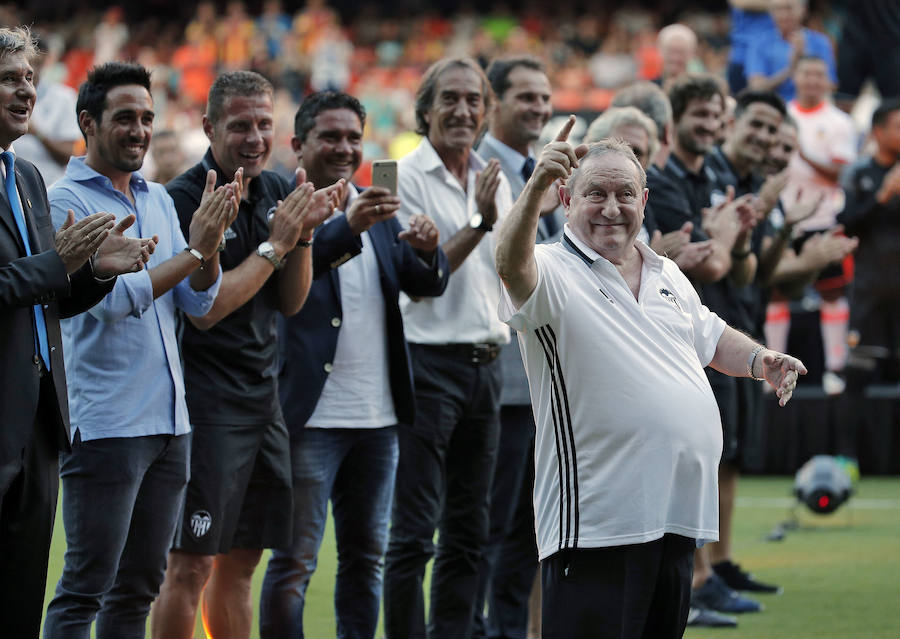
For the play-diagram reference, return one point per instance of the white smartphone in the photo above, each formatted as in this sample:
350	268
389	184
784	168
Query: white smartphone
384	174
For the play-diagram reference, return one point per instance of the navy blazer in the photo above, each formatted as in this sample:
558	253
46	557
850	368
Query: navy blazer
308	340
24	282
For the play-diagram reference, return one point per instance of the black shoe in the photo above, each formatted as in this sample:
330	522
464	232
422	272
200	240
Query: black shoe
704	617
737	579
715	594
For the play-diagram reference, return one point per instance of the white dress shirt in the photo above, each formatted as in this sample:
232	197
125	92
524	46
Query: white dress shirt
467	311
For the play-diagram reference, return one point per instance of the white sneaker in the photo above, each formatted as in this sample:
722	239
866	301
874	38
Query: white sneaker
832	383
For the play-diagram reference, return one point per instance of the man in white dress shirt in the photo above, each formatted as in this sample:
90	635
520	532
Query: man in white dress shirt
447	453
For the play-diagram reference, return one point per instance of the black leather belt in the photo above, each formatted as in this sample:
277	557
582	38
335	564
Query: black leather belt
483	353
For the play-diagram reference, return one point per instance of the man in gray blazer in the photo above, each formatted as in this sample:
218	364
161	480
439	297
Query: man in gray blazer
508	567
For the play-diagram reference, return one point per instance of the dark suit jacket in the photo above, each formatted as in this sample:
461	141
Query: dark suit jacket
25	281
308	339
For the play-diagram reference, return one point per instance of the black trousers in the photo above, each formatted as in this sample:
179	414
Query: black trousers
510	560
29	486
443	482
621	592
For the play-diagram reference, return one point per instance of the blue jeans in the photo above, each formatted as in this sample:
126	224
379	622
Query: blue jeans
355	468
121	498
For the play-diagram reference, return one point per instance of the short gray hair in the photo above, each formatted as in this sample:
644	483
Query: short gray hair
612	119
605	147
651	100
15	40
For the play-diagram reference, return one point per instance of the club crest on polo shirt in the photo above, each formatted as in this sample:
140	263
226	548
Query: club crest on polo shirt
200	523
229	233
670	296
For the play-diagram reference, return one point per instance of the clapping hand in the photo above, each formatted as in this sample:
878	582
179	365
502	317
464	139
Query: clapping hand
422	235
486	183
120	254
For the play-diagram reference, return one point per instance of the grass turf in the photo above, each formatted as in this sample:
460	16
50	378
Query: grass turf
840	573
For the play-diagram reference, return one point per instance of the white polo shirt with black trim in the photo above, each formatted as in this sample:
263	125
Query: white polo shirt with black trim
628	432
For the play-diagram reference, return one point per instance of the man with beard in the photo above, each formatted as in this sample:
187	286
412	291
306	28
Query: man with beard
682	192
447	454
123	479
345	379
238	499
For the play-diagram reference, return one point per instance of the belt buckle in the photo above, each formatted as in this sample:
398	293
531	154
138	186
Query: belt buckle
483	353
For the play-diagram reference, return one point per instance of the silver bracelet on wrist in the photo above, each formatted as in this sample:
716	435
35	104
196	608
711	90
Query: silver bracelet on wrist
751	361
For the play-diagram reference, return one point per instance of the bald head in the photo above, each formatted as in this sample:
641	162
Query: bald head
677	45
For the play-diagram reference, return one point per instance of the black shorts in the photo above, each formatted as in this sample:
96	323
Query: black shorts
739	401
239	494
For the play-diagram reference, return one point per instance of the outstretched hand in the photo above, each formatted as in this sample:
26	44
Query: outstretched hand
781	372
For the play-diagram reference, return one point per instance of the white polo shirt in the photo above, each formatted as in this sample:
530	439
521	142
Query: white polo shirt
628	432
467	311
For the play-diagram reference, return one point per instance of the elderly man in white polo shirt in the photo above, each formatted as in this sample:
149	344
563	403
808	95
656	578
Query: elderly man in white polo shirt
614	339
447	454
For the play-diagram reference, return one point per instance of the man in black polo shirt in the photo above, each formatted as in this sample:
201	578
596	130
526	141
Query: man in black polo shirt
239	496
683	192
738	165
872	213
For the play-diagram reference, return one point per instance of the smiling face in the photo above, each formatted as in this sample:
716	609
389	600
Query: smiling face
17	97
696	130
752	135
781	151
605	204
457	112
243	134
117	143
524	108
333	147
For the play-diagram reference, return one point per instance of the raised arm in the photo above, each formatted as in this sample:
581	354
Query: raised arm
514	254
464	241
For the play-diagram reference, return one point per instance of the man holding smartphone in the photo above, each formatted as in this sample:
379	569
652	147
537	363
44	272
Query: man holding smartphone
345	381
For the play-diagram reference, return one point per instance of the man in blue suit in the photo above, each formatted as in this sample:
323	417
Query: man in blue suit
346	380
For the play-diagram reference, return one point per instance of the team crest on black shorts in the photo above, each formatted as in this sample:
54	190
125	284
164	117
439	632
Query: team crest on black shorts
200	523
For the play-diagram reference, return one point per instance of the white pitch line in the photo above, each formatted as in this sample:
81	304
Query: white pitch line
787	502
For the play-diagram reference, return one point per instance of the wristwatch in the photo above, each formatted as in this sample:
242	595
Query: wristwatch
477	222
267	251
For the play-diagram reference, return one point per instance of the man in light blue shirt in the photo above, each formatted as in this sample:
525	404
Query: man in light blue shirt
123	479
772	58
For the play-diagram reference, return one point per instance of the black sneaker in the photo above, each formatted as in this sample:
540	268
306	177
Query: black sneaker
715	594
737	579
706	618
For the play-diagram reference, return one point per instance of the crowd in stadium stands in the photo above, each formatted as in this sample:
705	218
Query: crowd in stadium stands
250	331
